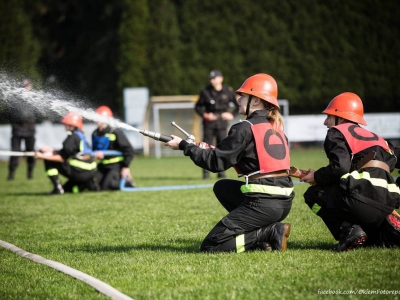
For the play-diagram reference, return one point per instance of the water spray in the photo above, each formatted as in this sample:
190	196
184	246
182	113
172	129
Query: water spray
59	103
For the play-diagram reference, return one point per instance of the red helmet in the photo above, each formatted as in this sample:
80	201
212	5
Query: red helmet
73	120
104	111
262	86
347	106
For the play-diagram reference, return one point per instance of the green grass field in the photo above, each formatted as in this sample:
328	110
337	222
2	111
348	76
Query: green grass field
146	244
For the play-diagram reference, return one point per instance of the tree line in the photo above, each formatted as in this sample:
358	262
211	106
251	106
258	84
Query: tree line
315	49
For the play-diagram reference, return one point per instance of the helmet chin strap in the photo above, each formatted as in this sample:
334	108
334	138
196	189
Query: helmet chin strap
248	105
336	120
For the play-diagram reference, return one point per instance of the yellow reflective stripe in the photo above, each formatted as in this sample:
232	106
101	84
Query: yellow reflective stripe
111	136
75	189
389	150
240	243
112	160
315	208
52	172
82	165
391	187
266	189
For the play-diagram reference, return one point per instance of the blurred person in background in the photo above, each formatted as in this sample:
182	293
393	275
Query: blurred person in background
23	120
74	160
258	150
111	169
217	106
355	195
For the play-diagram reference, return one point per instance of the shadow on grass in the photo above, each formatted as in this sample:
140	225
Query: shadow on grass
187	246
41	194
190	246
316	245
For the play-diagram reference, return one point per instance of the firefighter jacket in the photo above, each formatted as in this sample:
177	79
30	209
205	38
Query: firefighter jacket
217	102
373	186
239	149
113	139
77	152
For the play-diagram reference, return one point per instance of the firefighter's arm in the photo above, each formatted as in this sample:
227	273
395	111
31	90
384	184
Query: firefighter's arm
50	157
174	143
126	173
309	178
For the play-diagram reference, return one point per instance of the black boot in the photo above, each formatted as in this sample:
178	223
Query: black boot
275	235
262	246
93	185
391	230
206	174
10	176
58	189
30	173
351	236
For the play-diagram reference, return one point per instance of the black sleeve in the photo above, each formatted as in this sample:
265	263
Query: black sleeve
200	106
339	157
225	155
70	146
397	154
124	146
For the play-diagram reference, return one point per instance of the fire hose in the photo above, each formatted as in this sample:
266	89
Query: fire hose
32	153
152	134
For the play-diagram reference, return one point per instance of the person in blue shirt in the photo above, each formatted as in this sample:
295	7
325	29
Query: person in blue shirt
111	168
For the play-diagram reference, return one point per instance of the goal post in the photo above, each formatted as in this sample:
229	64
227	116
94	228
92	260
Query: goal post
163	110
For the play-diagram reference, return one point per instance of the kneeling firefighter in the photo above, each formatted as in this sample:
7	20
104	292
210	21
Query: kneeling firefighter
355	195
73	161
112	168
257	148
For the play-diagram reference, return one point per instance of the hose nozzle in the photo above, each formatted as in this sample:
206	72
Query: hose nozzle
156	135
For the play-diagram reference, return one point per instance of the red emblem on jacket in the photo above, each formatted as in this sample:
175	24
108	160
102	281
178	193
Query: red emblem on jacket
359	138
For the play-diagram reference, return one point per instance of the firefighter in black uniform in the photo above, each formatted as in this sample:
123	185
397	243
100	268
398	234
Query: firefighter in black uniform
23	119
355	194
73	161
217	105
111	168
257	148
397	153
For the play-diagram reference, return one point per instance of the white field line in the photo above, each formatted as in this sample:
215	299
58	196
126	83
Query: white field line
102	287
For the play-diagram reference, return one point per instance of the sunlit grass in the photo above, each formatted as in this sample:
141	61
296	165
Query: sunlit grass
146	244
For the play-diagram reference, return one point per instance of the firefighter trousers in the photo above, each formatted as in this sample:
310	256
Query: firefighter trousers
240	230
16	146
334	207
76	176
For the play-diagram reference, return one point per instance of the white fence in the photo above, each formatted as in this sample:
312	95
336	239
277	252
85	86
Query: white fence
302	128
310	128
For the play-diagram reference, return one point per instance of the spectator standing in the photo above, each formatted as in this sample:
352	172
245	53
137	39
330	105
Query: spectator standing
217	106
23	121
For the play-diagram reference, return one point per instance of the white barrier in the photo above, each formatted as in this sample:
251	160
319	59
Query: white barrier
302	128
310	128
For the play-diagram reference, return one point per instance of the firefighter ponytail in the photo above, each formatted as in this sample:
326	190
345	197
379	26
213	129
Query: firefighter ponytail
275	117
